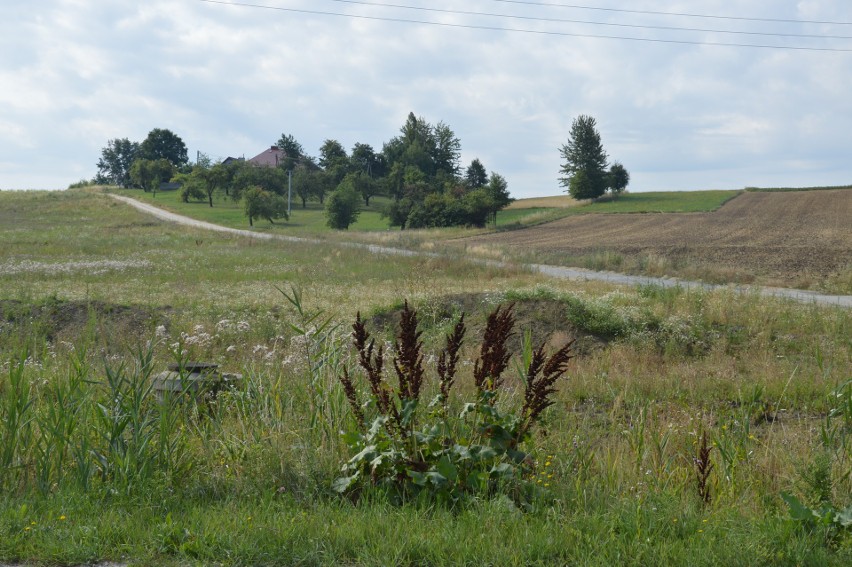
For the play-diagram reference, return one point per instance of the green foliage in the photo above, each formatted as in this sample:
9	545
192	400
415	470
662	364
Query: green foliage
475	176
292	149
343	206
115	161
824	515
245	175
164	144
617	179
148	174
584	169
259	203
438	452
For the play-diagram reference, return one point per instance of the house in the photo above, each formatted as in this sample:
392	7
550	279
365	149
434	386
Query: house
269	158
229	160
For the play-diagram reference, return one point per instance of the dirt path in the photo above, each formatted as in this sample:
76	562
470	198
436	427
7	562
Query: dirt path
552	271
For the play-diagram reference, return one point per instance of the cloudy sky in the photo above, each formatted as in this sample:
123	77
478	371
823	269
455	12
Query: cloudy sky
679	98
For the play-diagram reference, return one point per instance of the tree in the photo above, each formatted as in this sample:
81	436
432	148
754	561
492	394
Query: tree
475	176
149	173
258	203
202	182
271	179
617	179
582	187
365	185
288	144
292	149
116	159
584	154
364	158
308	184
497	191
333	160
164	144
447	149
343	206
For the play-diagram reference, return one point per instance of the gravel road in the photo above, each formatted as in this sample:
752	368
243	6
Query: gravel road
552	271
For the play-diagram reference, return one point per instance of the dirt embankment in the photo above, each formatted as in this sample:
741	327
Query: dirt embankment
782	235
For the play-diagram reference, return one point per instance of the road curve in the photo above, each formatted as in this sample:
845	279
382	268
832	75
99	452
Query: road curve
560	272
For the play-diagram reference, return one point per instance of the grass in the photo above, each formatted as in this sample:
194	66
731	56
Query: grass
310	220
529	212
787	189
655	368
662	202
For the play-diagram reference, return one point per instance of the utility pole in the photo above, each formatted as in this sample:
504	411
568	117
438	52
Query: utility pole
289	190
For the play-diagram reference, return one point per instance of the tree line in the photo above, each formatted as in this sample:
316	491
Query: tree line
419	171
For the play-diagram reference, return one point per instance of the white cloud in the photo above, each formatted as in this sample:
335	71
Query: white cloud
230	80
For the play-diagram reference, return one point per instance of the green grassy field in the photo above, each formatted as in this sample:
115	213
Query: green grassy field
95	297
309	220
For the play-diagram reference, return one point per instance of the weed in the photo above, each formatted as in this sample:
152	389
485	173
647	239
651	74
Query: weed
438	455
703	467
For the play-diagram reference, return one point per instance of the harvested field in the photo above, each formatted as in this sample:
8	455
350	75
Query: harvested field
781	237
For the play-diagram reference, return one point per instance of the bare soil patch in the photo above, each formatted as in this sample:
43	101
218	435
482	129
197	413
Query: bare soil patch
784	236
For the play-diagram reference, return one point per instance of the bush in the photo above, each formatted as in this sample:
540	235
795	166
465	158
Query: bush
343	206
438	452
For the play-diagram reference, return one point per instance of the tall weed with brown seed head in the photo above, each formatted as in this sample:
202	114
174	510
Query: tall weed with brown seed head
436	454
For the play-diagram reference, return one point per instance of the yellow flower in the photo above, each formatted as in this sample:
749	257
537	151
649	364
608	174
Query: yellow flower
546	484
26	529
32	523
62	518
701	531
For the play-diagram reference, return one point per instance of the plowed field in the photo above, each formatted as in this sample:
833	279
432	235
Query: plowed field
780	235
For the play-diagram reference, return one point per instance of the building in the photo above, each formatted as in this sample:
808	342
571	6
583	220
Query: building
269	158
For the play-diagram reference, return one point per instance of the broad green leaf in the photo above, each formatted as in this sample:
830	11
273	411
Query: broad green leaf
343	484
447	469
844	517
798	511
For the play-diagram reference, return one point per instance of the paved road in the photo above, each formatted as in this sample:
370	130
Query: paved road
552	271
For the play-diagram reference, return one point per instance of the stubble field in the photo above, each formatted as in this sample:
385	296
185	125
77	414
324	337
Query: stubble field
792	239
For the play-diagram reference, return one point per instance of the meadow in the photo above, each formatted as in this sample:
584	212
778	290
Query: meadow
96	298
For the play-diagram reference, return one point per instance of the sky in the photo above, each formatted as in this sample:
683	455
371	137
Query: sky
680	96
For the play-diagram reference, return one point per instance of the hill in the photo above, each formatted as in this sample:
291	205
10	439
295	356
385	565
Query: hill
799	239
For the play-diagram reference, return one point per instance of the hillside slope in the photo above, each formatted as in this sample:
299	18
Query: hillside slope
781	235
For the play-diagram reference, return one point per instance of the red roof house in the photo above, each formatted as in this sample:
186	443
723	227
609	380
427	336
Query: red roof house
269	158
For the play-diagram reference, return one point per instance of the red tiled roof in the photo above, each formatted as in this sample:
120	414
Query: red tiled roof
270	157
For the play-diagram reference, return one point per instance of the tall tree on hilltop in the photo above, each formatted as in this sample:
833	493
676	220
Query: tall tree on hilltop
584	154
115	161
164	144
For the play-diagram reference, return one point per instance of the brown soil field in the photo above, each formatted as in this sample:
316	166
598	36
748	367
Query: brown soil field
785	237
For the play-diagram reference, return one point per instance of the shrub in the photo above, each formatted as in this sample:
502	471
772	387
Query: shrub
440	452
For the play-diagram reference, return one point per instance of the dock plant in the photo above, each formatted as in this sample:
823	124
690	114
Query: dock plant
451	449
